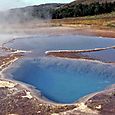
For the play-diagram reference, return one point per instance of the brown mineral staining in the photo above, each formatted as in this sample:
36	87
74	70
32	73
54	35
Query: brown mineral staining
79	54
72	55
8	59
104	102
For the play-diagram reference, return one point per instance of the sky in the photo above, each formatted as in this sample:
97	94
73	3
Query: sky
7	4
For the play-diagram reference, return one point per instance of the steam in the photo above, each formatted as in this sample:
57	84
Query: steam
8	15
16	16
29	17
28	13
22	21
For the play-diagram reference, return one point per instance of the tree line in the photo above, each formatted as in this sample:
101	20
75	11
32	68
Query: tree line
78	10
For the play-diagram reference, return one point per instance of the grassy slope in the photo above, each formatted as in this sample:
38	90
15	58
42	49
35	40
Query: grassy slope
103	20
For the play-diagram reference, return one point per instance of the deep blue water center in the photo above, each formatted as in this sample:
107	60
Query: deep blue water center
62	80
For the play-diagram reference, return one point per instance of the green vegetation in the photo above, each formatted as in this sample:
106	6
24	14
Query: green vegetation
77	10
105	15
101	21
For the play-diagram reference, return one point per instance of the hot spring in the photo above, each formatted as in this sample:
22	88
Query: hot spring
62	80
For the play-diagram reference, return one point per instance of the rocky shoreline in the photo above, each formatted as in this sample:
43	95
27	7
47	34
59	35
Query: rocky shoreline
19	100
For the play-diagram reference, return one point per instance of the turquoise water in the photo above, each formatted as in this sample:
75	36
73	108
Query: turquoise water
62	80
105	55
40	44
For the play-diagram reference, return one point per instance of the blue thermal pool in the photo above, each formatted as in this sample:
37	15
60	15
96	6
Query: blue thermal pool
62	80
105	55
40	44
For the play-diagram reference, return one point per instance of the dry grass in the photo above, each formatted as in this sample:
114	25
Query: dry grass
104	20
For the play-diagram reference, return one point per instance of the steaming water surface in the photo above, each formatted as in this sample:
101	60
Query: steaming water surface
43	43
5	38
62	80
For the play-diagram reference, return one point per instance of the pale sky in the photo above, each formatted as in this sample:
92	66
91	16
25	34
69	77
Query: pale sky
7	4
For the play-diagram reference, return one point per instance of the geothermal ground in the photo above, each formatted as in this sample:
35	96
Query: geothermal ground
18	99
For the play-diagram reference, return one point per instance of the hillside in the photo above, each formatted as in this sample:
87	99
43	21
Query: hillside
80	8
56	11
42	11
90	1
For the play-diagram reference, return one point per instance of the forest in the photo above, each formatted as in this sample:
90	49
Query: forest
78	10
